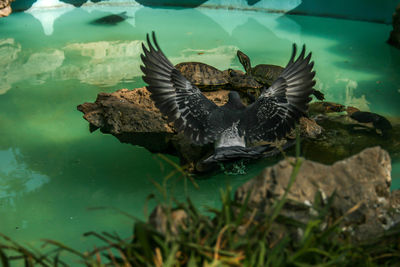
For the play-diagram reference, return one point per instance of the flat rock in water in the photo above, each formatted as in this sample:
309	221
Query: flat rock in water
131	116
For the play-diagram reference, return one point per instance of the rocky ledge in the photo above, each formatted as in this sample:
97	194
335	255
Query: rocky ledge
329	134
361	182
360	185
394	38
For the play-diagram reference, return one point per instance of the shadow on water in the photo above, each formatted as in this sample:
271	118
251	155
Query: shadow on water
112	20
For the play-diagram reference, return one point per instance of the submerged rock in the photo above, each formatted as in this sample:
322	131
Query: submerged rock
394	38
5	8
361	181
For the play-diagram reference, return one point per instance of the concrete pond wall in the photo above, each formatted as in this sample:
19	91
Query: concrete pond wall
380	11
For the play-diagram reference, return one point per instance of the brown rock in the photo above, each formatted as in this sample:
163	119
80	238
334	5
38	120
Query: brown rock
131	116
363	179
309	128
160	221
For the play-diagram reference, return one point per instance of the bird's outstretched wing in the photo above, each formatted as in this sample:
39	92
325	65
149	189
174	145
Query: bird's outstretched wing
280	106
182	102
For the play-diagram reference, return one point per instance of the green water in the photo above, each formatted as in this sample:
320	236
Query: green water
52	169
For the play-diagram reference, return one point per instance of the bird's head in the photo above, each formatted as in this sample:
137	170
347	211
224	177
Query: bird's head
234	101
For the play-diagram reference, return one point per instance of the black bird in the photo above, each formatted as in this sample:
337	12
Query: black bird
232	127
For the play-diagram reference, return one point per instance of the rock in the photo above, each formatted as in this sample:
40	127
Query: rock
363	179
329	135
159	219
394	38
131	116
5	8
309	128
362	200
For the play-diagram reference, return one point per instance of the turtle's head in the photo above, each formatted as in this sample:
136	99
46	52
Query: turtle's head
233	73
244	60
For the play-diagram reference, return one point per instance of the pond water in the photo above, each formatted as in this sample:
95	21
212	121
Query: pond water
52	170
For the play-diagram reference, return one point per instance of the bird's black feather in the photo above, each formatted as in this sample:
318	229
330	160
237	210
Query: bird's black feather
270	117
176	97
280	106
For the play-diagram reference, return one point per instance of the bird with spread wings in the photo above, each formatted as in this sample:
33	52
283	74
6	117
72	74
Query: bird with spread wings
232	127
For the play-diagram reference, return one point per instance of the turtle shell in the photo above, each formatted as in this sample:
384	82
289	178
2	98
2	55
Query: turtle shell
266	73
204	76
244	83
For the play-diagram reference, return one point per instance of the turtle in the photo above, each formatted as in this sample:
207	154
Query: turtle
209	78
234	127
266	74
204	76
323	107
378	121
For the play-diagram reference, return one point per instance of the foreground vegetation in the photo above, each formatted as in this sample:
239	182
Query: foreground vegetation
234	236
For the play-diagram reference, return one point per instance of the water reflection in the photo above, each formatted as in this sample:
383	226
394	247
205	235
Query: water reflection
51	74
40	10
16	179
350	98
230	20
107	63
36	68
9	51
220	57
103	63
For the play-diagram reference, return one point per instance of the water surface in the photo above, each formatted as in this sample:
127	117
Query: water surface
52	169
